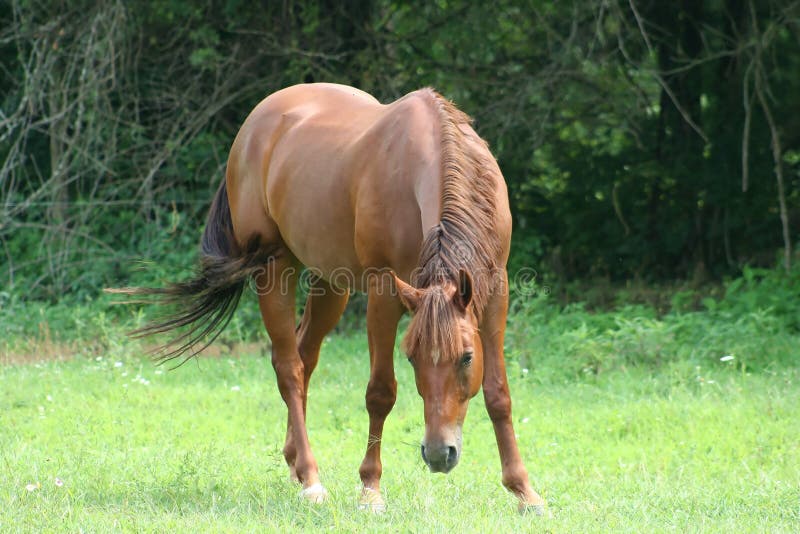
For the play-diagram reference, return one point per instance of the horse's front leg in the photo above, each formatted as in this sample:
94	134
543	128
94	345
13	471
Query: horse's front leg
498	404
383	314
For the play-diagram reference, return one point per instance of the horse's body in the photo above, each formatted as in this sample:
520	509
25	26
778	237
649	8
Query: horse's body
326	177
347	184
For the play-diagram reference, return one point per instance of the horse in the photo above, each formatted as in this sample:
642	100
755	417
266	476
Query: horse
402	201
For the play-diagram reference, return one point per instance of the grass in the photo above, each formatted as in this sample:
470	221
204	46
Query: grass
629	419
141	448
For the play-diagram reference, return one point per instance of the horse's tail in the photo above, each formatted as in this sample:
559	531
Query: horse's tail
206	302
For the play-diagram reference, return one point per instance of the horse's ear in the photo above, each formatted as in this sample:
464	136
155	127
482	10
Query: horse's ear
463	296
409	295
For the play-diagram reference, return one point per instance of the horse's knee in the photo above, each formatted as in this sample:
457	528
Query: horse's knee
289	374
309	353
287	368
498	403
380	398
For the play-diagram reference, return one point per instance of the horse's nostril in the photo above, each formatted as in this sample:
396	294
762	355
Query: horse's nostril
452	455
439	459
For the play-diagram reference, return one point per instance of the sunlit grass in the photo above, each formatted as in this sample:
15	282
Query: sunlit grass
114	443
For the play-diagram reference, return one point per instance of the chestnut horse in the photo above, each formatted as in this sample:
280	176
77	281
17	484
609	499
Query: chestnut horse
366	196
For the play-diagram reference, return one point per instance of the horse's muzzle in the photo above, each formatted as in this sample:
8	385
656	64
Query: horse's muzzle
440	459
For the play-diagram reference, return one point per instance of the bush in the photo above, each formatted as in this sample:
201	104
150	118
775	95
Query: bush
754	326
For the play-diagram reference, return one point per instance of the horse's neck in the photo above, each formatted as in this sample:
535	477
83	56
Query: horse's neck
428	192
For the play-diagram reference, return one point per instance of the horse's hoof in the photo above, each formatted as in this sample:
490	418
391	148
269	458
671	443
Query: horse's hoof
315	493
525	508
371	501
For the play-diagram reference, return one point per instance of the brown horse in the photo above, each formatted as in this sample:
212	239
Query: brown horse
366	196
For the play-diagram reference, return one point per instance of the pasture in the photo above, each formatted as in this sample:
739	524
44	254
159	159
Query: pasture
702	436
651	175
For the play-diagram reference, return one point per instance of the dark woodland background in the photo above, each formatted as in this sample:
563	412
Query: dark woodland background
641	140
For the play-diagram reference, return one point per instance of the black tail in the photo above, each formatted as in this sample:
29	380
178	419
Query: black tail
205	303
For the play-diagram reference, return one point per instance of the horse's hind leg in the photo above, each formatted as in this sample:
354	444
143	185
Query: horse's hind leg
276	290
324	307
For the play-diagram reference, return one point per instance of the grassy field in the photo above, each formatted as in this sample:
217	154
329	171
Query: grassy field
630	420
113	443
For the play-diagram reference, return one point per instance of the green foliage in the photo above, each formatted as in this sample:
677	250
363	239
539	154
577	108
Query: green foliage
763	291
752	327
620	128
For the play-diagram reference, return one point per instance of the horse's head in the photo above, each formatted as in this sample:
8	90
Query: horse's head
443	346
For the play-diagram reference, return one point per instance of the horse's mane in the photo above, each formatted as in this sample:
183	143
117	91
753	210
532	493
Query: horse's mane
465	238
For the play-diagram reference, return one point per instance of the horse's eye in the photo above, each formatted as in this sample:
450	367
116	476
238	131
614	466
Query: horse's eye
466	359
411	361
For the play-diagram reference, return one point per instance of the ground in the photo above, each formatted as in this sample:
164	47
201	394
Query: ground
111	442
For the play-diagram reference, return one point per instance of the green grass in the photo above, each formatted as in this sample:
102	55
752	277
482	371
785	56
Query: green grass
689	445
629	420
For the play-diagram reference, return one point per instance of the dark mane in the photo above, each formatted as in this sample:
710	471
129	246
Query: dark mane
465	238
